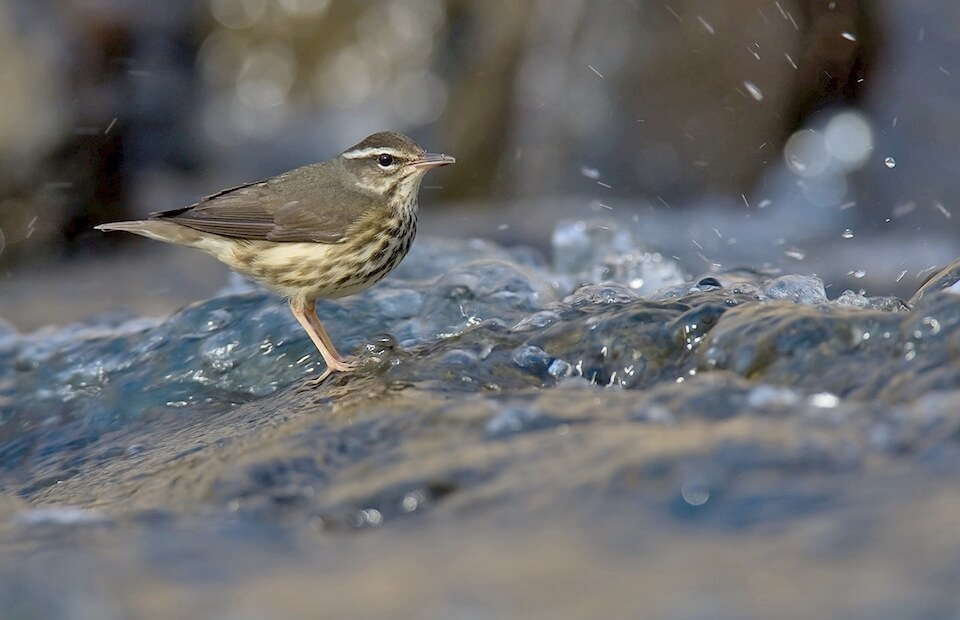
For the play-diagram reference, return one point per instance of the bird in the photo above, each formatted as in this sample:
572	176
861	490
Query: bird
321	231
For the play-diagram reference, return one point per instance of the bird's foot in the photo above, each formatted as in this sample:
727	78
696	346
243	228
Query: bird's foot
342	365
310	384
336	366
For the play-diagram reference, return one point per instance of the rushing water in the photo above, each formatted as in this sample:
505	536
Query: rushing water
604	435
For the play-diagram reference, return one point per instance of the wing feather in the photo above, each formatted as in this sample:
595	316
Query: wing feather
306	204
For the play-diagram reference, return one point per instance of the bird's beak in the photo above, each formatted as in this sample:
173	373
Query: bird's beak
432	160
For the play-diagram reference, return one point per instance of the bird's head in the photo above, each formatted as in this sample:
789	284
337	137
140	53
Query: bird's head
390	164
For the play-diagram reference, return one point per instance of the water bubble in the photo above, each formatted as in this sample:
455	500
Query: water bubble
847	233
695	493
890	162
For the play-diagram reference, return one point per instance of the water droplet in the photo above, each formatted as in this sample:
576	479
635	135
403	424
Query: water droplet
754	90
695	493
849	36
824	400
858	273
890	162
590	173
706	25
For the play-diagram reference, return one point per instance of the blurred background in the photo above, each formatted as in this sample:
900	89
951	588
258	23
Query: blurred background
811	136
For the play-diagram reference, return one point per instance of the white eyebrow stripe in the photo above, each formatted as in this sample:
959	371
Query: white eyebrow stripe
370	152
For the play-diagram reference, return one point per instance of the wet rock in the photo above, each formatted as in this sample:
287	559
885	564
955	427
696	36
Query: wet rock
517	419
495	392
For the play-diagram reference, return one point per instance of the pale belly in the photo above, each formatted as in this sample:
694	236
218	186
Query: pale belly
310	271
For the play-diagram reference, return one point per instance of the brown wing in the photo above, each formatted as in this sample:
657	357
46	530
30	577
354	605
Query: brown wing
306	204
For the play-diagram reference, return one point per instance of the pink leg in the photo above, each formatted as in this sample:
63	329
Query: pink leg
308	319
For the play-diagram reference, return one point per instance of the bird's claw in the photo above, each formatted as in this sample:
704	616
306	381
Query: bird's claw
344	366
310	384
336	367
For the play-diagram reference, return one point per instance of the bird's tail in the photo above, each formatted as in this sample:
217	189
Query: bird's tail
169	232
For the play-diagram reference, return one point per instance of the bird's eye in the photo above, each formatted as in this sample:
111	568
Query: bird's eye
385	160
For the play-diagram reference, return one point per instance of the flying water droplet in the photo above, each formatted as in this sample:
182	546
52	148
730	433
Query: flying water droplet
754	90
890	162
706	25
590	173
847	233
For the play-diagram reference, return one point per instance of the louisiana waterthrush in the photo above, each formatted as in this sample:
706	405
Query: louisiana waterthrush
325	230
